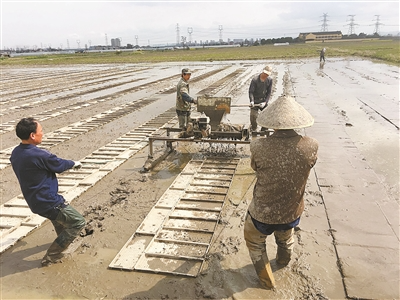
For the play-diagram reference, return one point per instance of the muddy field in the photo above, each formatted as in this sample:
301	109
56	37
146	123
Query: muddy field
348	239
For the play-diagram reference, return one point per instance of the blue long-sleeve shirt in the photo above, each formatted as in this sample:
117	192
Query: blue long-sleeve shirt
35	169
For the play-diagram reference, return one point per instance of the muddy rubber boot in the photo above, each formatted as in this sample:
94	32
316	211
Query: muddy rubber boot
182	134
189	130
53	255
264	272
283	256
182	122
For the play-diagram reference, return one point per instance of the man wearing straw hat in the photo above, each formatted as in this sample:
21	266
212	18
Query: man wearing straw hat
282	163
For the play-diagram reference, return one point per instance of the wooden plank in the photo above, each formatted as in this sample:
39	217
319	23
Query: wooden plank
11	211
16	202
10	239
181	182
199	205
169	198
198	215
153	220
169	266
128	256
208	189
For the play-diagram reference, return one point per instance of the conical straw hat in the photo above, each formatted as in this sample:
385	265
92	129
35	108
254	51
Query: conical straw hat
285	113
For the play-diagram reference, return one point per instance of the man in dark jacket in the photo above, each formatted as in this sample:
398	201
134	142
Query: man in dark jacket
259	94
282	163
36	171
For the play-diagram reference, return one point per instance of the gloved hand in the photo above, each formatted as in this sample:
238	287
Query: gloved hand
194	101
252	104
262	104
77	165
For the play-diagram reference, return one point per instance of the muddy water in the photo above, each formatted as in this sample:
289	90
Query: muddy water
362	96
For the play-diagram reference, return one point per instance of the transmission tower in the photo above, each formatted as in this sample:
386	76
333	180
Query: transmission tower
68	44
220	33
177	34
351	25
377	23
324	26
78	42
106	40
190	31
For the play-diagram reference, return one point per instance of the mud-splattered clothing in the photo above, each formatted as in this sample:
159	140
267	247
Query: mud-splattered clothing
183	100
282	163
36	171
260	91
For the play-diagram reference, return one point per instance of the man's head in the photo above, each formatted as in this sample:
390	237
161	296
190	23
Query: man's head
29	131
285	113
186	73
265	73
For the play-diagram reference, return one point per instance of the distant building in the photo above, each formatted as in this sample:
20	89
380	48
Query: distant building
320	36
238	41
116	43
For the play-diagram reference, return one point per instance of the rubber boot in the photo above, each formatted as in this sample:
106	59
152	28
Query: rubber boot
182	122
53	255
189	130
283	256
264	272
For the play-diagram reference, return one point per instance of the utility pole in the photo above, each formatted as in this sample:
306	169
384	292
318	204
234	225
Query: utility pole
351	25
190	31
324	26
177	34
220	33
136	38
106	40
377	23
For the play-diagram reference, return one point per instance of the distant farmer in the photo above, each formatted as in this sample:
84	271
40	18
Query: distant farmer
282	163
35	169
183	100
322	55
259	94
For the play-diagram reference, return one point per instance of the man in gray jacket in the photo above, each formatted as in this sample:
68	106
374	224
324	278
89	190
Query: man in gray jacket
282	163
259	94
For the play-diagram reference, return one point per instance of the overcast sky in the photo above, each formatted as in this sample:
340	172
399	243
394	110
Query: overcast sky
58	24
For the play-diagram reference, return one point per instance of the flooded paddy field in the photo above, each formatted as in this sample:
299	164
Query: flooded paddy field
348	239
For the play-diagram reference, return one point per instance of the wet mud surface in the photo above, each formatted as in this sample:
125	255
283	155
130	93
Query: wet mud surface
350	227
